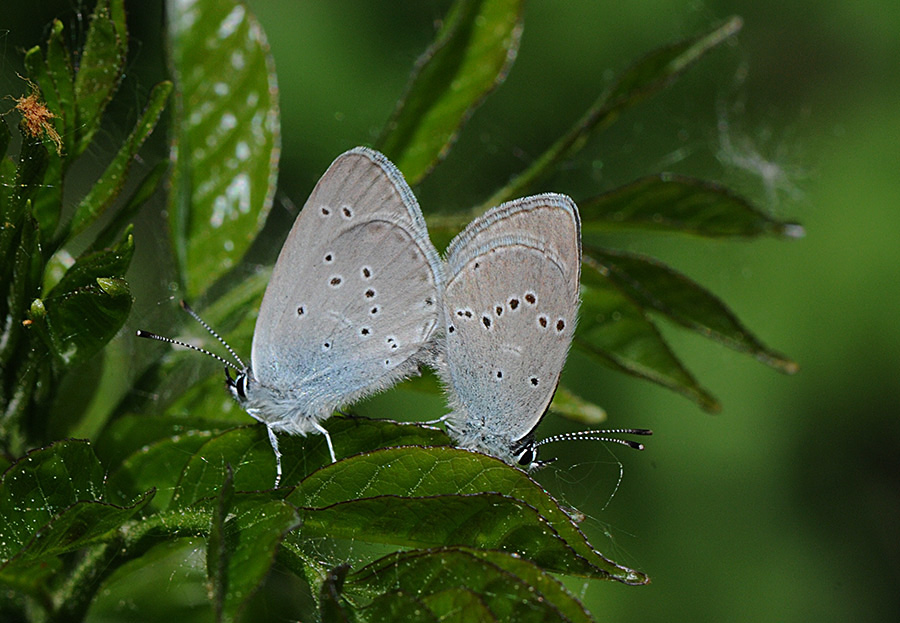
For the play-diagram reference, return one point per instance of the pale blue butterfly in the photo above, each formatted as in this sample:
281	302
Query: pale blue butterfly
510	306
352	306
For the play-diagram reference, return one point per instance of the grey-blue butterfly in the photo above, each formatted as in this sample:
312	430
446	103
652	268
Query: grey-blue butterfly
352	306
510	306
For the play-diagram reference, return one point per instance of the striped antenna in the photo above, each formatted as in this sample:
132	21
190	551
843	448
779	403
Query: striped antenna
153	336
600	435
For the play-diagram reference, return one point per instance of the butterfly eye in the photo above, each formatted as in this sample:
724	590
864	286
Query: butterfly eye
238	386
527	455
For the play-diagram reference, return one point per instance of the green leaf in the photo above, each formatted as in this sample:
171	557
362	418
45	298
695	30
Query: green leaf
457	605
244	537
332	607
151	451
432	497
217	551
82	321
248	451
576	408
79	525
27	180
400	606
674	203
614	328
651	74
499	586
653	285
159	464
132	434
52	501
90	303
252	533
226	141
43	484
117	15
99	71
47	199
106	189
25	360
62	75
470	56
479	520
22	287
107	263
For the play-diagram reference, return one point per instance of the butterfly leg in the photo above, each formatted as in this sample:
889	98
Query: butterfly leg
322	430
274	441
439	420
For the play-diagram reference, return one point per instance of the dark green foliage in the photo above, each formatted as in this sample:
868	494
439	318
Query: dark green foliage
439	534
57	312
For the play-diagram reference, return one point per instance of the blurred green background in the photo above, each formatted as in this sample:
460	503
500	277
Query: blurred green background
784	507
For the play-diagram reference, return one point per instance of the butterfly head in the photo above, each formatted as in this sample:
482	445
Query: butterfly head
238	385
525	454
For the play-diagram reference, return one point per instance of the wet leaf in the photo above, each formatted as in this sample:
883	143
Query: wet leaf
254	533
465	585
21	188
21	288
433	497
401	606
83	273
248	451
24	360
82	321
226	141
158	464
52	501
88	306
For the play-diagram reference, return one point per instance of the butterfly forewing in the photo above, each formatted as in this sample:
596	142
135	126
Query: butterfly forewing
510	304
353	300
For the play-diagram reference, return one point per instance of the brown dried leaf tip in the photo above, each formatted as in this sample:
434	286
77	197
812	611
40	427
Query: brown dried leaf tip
37	117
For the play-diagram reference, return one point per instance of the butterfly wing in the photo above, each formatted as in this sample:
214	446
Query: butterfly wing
510	307
353	301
